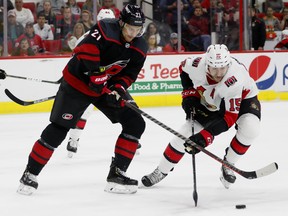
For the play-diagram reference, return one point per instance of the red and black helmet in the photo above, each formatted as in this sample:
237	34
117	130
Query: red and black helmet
132	15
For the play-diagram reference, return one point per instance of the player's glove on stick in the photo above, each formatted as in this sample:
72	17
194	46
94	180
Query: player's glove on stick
114	98
98	81
2	74
203	138
191	99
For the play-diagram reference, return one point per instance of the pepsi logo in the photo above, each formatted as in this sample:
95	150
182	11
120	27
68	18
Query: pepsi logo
263	71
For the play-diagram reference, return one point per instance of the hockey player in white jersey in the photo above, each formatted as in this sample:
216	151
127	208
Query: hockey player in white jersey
221	92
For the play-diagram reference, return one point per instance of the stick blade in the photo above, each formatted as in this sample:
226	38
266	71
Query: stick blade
15	99
269	169
26	103
265	171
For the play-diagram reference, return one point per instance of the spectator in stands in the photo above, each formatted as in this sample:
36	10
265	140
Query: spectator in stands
272	24
283	44
230	5
284	21
75	9
88	5
276	5
212	13
35	41
152	44
50	16
23	49
66	24
56	5
10	6
172	46
71	39
227	31
108	4
199	30
23	15
258	30
169	8
15	29
152	29
195	4
42	29
86	19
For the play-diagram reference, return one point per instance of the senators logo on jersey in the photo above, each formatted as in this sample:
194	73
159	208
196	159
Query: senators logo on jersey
230	81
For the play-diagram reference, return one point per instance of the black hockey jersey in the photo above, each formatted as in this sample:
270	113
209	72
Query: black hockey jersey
103	49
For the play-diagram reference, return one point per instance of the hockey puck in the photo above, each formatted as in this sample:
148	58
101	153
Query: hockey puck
240	206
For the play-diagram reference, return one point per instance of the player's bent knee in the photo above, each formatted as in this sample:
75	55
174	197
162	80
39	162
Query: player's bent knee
54	134
248	127
134	126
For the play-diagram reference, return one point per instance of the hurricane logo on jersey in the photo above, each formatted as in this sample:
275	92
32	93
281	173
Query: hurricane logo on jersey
115	67
67	116
263	71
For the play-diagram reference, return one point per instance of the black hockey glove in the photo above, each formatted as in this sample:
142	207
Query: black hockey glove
98	81
2	74
114	98
203	138
191	100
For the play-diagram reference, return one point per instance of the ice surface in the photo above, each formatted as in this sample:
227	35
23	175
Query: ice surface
70	187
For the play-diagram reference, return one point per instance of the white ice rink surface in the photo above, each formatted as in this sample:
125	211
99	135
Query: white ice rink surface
70	187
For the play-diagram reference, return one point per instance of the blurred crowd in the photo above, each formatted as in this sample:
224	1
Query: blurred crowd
51	26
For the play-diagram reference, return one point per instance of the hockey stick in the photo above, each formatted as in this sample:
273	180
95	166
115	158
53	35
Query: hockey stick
195	194
267	170
34	79
26	103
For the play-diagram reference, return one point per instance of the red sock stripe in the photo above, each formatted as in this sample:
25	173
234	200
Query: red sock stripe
238	147
126	148
172	154
40	153
81	124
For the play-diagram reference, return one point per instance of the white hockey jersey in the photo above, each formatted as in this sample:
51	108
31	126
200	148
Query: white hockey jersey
235	86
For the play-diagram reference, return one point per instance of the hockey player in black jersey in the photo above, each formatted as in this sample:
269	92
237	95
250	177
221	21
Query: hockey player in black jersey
104	64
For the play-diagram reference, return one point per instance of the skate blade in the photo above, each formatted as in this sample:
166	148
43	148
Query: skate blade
137	152
112	187
70	154
225	183
25	190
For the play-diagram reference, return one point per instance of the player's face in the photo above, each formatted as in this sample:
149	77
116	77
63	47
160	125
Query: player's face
130	32
217	74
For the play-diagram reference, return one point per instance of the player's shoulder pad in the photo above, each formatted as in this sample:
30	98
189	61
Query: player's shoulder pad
140	44
109	29
235	78
190	62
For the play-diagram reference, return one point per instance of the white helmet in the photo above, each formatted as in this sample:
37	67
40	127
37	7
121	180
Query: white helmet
217	56
105	13
285	34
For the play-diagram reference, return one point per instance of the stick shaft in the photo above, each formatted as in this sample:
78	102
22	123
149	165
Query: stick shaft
34	79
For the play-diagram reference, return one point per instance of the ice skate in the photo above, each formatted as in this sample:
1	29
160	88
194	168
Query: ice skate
227	176
28	183
138	149
118	182
153	178
72	147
